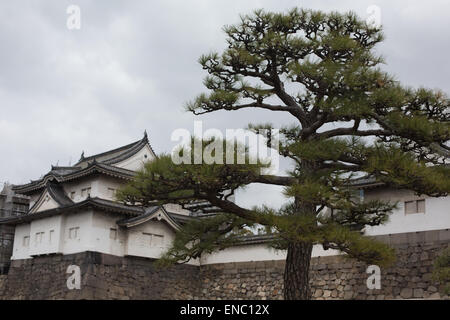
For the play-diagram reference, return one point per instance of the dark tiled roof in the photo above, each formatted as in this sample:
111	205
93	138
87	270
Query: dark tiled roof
114	206
150	213
93	167
63	170
365	182
102	163
97	203
118	154
147	212
180	218
57	193
256	239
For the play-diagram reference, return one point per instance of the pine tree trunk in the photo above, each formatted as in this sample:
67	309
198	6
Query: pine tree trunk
296	272
298	259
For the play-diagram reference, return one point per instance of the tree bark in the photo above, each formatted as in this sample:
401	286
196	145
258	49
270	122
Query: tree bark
296	272
298	259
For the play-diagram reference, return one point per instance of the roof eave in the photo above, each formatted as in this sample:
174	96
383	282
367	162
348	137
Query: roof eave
88	203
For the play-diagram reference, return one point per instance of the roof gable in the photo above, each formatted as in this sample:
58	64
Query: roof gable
45	202
119	154
152	213
52	197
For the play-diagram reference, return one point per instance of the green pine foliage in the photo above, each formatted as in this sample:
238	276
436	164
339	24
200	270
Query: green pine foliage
441	272
351	118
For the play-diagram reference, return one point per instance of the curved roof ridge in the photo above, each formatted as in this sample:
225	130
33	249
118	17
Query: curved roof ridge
99	203
102	154
57	193
128	153
119	154
149	213
102	167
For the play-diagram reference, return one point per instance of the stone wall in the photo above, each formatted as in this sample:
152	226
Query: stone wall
333	277
3	279
102	277
337	277
6	247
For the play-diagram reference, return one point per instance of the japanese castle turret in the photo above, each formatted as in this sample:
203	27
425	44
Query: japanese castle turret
73	209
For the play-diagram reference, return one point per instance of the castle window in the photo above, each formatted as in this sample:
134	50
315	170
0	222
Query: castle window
113	233
86	192
153	240
112	192
51	235
415	206
26	241
38	237
157	240
74	233
72	195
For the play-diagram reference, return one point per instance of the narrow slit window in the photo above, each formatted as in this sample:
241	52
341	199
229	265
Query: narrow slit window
38	237
113	233
26	241
74	233
415	206
112	192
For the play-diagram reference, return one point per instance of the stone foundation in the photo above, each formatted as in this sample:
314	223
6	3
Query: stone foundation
334	277
102	277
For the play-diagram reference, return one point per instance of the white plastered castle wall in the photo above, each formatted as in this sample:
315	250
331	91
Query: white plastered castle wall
256	252
73	189
106	236
108	186
21	242
57	234
150	239
435	217
103	187
45	236
77	232
91	231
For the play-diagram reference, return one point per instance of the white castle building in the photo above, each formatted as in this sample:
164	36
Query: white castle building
73	209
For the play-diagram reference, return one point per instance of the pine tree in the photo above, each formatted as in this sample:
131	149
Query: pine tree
441	271
322	70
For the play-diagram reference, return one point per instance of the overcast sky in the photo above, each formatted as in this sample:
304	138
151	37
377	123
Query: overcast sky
133	65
